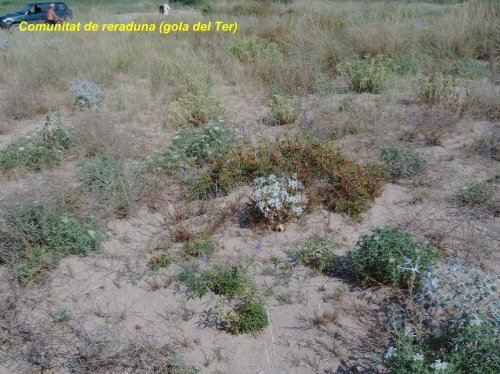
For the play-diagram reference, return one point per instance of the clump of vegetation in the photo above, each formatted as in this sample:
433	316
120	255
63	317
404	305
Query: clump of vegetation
327	175
242	311
368	74
88	95
44	149
435	88
277	200
160	261
405	65
317	253
200	246
488	145
250	50
391	257
35	237
115	187
433	124
195	105
402	161
466	68
476	193
283	109
449	326
324	85
194	147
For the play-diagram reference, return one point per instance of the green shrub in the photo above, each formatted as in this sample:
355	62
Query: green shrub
250	50
194	147
476	193
436	88
283	109
35	237
200	246
207	8
316	253
388	256
241	311
345	186
249	315
324	85
229	281
115	187
367	75
195	105
160	262
402	161
465	68
472	349
44	149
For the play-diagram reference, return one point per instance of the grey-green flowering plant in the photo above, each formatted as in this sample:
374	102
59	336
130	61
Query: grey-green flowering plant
277	200
88	95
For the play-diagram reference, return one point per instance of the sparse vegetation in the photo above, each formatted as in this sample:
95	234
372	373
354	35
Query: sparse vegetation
249	51
402	161
316	253
435	89
45	148
199	246
284	109
36	237
195	105
476	193
390	257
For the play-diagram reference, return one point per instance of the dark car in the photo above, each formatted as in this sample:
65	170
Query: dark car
35	12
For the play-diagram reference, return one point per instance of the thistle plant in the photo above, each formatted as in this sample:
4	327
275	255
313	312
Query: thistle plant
277	200
88	95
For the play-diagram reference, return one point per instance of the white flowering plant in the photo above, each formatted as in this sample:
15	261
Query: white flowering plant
455	325
88	95
276	200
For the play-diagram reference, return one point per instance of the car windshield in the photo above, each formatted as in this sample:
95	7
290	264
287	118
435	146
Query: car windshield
24	8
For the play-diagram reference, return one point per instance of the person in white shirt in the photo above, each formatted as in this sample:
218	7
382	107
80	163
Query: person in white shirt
165	8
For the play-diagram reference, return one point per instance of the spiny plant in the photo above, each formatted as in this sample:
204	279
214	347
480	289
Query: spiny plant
276	200
194	147
345	185
391	257
316	252
88	95
402	161
195	105
35	237
45	148
368	74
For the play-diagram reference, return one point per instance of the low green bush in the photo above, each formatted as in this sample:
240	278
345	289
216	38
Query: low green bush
241	311
160	262
466	68
368	74
345	186
402	161
35	237
324	85
44	149
391	257
194	147
195	105
316	253
476	193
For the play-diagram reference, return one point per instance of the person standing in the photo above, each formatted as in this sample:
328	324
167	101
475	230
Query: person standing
52	17
165	8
